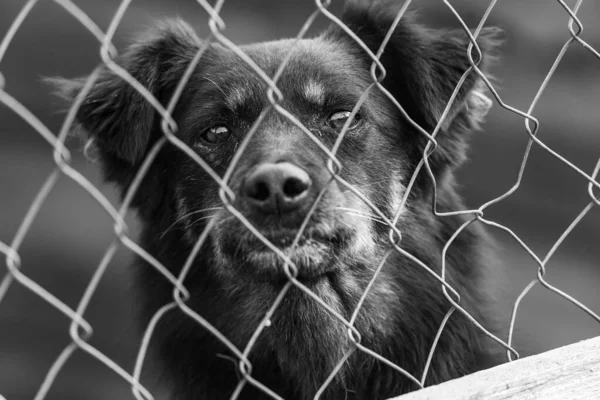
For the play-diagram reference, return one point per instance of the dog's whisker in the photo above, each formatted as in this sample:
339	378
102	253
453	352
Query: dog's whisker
356	210
346	223
185	216
365	185
359	213
200	219
216	85
368	217
224	220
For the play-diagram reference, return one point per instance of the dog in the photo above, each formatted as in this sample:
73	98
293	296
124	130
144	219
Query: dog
276	183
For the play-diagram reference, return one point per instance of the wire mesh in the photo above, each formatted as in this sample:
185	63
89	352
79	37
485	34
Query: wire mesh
81	330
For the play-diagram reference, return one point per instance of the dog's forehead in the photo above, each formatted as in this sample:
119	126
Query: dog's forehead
313	53
312	67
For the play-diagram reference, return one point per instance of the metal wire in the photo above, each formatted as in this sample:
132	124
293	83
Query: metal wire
80	330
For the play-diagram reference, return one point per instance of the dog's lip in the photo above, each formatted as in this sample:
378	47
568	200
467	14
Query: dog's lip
311	256
284	239
306	276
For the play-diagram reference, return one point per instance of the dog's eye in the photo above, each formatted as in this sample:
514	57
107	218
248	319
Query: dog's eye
338	119
216	134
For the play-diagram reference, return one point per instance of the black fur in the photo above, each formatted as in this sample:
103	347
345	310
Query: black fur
235	279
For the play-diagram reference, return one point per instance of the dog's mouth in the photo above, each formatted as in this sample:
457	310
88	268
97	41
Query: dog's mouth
312	256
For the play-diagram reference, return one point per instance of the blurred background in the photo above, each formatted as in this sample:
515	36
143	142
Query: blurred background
67	240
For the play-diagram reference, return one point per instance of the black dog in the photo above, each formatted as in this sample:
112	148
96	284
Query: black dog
235	277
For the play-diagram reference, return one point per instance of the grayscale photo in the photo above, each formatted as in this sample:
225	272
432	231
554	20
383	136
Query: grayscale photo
299	199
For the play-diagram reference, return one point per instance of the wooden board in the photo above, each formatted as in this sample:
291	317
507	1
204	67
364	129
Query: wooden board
570	372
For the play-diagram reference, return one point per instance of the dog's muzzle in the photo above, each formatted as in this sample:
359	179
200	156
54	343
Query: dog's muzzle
276	197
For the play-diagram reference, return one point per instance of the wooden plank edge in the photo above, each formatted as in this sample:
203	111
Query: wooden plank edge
569	372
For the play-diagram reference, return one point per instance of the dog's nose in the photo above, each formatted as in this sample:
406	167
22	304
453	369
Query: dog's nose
277	187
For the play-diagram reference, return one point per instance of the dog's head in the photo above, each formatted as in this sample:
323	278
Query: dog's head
283	171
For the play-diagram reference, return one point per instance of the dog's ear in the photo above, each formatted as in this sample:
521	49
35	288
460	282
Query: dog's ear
114	114
423	67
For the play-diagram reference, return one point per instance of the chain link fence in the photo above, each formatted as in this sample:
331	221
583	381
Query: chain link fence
81	329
